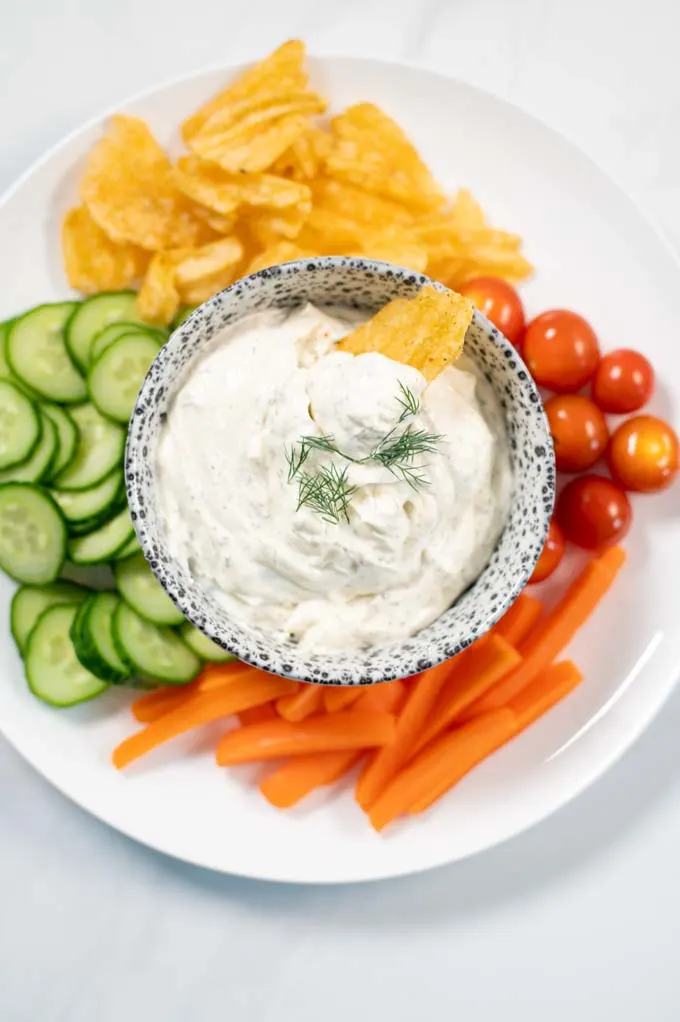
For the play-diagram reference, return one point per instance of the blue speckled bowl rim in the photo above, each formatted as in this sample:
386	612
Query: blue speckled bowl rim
433	644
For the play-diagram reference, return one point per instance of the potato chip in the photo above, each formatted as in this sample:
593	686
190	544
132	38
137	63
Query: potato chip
270	226
394	246
212	187
372	152
159	299
93	262
284	252
129	190
427	332
219	223
248	136
283	68
305	158
194	267
196	294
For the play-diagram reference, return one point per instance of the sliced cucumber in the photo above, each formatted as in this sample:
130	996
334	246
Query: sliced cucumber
183	314
152	650
32	534
20	425
202	645
99	451
37	355
140	588
67	436
130	548
5	371
29	602
39	465
53	671
85	505
90	318
115	378
111	333
92	637
103	544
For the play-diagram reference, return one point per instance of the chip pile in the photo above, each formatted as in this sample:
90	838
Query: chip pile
265	180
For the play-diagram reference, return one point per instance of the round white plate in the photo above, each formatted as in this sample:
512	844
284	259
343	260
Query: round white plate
595	253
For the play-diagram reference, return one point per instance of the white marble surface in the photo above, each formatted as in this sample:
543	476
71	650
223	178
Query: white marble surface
577	918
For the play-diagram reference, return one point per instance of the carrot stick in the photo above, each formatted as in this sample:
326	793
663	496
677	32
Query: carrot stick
215	676
544	692
341	698
352	729
547	640
153	705
301	775
441	765
257	714
203	708
384	764
302	704
518	621
476	671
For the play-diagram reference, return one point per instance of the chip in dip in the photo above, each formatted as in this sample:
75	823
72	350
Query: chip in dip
399	554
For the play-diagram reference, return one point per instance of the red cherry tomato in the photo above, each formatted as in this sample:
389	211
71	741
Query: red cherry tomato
593	512
499	302
579	431
561	351
624	382
643	454
551	554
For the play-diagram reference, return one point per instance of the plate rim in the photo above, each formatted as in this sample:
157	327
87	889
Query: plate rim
596	766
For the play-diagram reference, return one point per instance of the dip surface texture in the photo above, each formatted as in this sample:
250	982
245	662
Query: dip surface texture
230	513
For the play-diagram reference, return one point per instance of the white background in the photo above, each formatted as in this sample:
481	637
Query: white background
576	919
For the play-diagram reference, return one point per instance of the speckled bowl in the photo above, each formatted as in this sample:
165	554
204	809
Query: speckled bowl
363	284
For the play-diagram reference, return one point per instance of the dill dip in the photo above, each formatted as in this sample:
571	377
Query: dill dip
396	554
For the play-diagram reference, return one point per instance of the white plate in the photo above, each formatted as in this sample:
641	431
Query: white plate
595	253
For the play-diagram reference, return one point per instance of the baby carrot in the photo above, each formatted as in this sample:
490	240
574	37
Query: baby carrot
153	705
518	621
351	729
544	692
341	697
202	708
301	704
257	714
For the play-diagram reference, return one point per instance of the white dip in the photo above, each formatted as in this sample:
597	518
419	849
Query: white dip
230	513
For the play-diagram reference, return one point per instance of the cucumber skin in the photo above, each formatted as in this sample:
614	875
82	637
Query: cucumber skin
68	325
39	395
87	652
111	555
134	668
38	436
71	595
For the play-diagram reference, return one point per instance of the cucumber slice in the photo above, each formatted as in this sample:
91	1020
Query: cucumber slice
90	318
32	534
29	602
20	425
37	355
99	450
183	314
111	333
92	637
53	671
140	588
115	378
87	510
152	650
5	371
67	436
202	645
39	465
130	548
103	544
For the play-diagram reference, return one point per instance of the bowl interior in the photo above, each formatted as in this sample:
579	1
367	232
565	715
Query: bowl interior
367	285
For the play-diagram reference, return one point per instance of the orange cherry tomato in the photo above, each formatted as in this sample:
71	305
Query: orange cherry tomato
561	351
579	431
499	302
593	512
551	554
643	454
624	382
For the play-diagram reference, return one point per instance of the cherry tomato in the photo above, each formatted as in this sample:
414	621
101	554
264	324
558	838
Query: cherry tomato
624	382
643	454
561	351
499	302
579	431
593	512
551	554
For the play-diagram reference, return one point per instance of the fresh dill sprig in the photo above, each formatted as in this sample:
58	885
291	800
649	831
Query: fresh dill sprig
327	491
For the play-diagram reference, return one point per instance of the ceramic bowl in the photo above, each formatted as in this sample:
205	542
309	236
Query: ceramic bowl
368	285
